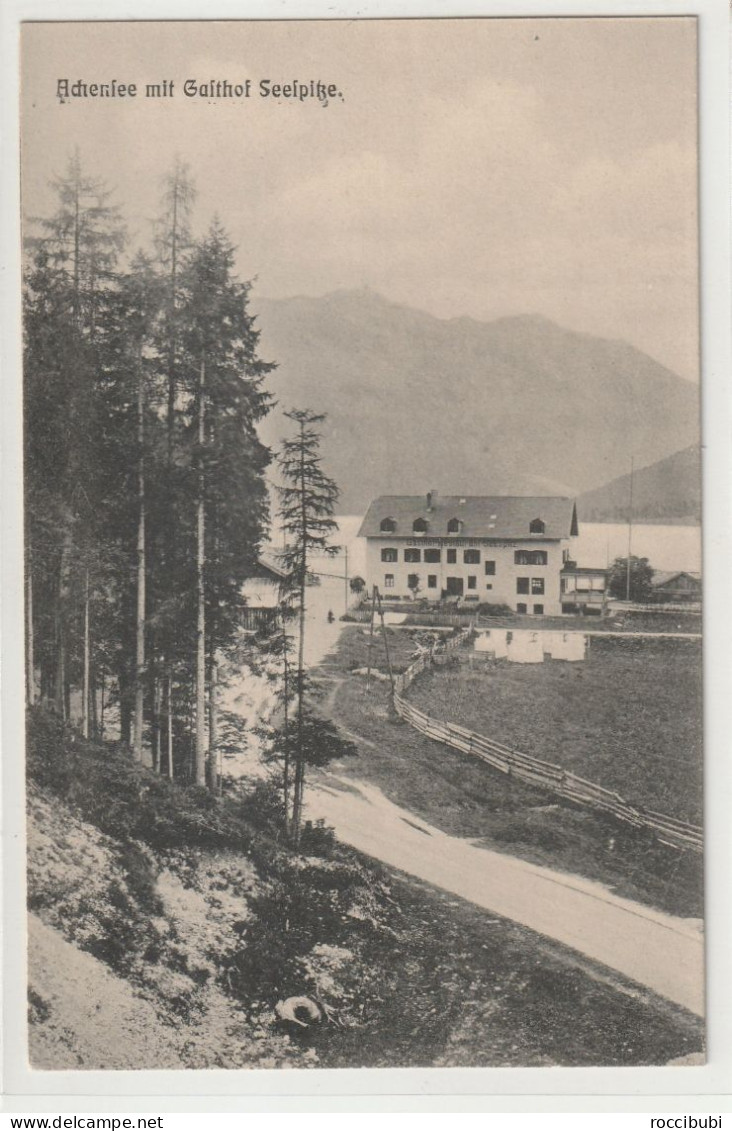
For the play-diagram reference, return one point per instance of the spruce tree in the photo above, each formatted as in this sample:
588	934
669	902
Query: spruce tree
222	400
173	244
70	281
307	506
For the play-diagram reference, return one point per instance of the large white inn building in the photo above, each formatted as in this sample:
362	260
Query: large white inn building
503	549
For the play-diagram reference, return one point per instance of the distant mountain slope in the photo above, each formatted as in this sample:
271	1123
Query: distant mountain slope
669	490
518	405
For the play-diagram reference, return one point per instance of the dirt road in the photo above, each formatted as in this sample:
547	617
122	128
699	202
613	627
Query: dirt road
661	952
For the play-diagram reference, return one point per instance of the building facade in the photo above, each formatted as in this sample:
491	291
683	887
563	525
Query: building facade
262	595
584	590
681	586
507	550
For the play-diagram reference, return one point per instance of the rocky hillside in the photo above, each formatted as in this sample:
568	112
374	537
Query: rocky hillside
165	926
517	406
667	491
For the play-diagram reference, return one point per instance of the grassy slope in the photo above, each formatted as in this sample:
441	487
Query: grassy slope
197	910
457	793
629	718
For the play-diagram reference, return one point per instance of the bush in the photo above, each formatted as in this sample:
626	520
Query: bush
317	839
308	903
121	797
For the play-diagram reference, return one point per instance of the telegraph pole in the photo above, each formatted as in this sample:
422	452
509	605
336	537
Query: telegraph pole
386	642
345	579
371	638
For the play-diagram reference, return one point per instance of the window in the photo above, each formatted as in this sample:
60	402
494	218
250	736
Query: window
471	557
453	526
413	581
520	607
536	526
420	526
490	568
537	585
538	608
472	583
432	555
388	525
388	554
489	584
388	581
431	580
530	557
412	555
522	584
451	557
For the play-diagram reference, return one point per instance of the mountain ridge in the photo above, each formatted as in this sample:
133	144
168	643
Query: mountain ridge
518	405
667	489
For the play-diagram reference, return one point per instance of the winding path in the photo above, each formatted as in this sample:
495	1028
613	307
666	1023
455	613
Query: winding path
661	952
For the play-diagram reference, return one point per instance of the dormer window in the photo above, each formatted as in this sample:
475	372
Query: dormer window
536	526
420	526
388	526
453	526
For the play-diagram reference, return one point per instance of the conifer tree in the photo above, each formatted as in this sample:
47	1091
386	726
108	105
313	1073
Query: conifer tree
173	242
307	506
221	389
70	281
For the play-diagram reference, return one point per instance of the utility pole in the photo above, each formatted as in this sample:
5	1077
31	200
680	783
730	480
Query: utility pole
345	579
630	532
386	642
371	638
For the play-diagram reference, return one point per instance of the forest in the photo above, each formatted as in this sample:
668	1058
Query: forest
146	491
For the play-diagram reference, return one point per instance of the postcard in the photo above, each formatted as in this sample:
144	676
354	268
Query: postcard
362	562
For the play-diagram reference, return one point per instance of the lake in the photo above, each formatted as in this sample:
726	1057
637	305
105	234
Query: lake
666	547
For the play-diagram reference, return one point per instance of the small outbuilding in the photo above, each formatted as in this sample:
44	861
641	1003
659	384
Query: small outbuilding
263	594
678	586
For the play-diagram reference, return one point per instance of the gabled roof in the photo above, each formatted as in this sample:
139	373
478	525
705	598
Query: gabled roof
269	567
664	576
481	516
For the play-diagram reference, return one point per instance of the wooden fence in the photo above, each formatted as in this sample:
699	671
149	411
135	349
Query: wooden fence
535	771
415	619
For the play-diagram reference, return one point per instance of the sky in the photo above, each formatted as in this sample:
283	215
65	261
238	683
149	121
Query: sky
479	167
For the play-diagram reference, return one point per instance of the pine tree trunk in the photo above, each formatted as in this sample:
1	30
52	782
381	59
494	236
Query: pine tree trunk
170	422
155	718
94	706
60	677
29	642
61	689
169	723
213	728
286	768
126	704
200	747
169	534
140	615
300	755
85	706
